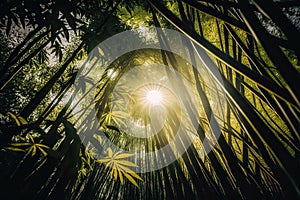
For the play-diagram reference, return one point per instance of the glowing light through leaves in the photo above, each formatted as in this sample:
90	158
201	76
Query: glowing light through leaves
159	106
154	97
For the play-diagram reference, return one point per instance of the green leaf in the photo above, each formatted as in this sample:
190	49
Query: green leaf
15	118
14	149
129	171
124	155
22	120
31	138
98	138
21	144
125	162
121	177
115	171
42	150
109	152
131	179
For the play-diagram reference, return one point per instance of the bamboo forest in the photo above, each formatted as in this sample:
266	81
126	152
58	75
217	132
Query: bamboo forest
149	99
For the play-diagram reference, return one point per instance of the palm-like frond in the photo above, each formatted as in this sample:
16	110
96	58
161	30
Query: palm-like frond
119	166
252	45
29	146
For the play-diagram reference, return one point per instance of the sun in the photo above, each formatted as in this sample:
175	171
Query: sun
154	97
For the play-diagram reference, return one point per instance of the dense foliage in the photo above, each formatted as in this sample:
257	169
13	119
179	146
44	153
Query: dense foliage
50	145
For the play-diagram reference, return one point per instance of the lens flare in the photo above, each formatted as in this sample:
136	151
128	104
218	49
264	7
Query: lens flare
154	97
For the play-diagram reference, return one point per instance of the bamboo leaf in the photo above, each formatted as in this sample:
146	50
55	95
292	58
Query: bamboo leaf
129	171
42	150
15	118
21	144
124	155
131	179
33	150
108	165
110	153
22	120
98	138
135	175
42	145
104	160
31	138
121	177
14	149
115	173
125	162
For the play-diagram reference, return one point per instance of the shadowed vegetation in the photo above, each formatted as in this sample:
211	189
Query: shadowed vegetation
59	116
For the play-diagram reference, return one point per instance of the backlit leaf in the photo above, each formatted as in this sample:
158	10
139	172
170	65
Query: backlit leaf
124	155
110	153
15	118
131	179
119	167
125	162
14	149
22	120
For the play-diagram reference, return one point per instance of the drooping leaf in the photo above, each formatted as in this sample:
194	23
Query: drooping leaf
131	179
22	120
14	149
15	118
